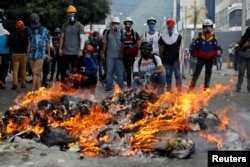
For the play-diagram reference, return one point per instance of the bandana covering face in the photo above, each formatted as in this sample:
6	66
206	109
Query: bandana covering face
170	31
151	28
166	36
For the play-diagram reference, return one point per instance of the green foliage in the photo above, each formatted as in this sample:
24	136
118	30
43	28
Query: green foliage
52	12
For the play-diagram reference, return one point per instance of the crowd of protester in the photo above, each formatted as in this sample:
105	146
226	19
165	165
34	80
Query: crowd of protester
116	55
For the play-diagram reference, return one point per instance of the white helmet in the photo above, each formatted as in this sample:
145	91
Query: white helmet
151	19
128	19
207	22
115	20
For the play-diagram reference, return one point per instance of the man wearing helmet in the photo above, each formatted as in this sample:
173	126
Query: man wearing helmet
18	42
170	44
71	41
148	70
152	35
131	41
112	48
205	48
87	67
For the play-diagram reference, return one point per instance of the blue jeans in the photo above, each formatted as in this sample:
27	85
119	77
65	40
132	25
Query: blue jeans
170	69
114	66
157	81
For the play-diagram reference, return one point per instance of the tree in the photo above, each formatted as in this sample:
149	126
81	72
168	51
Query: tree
52	12
196	15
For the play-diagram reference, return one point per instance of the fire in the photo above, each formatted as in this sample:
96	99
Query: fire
169	113
213	139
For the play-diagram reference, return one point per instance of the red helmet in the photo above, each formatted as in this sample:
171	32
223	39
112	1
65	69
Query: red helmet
20	24
170	22
89	48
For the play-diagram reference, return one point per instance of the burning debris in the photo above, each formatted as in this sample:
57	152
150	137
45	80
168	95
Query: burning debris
125	123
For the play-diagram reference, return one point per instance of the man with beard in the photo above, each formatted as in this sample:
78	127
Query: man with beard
205	48
148	70
71	41
169	44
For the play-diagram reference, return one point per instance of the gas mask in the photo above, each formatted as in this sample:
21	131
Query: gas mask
146	54
151	28
71	17
170	31
207	29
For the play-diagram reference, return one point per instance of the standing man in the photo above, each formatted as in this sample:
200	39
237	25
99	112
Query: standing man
219	59
56	59
244	61
205	49
170	43
131	41
4	54
152	35
38	43
71	41
18	43
112	46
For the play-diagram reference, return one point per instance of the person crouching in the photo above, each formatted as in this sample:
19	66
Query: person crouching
87	68
148	70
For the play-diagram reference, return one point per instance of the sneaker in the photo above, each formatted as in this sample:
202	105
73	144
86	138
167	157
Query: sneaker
23	86
14	87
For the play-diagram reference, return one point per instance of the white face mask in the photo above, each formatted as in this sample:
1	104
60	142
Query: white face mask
71	17
115	27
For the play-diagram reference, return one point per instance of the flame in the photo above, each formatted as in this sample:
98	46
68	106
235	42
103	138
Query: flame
168	114
212	138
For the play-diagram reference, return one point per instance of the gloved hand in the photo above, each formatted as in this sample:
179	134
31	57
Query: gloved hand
147	74
138	79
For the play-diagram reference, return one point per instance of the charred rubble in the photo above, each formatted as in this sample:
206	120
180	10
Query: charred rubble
119	134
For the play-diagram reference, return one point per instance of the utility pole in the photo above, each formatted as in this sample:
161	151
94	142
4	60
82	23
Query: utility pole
243	16
195	15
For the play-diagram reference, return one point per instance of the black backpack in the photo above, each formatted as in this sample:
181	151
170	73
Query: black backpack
18	39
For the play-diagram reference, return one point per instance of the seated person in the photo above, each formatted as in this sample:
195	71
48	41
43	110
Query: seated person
87	67
148	70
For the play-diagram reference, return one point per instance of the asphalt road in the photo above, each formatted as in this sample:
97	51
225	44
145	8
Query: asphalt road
239	119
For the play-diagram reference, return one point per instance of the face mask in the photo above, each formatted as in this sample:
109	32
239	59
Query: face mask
115	27
207	29
127	27
71	17
170	31
145	54
151	28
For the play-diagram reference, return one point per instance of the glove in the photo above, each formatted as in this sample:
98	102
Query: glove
138	79
147	75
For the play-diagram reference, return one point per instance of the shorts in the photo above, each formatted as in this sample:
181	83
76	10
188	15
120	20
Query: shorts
36	66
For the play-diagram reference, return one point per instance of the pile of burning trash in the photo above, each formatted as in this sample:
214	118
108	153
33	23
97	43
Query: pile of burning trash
123	124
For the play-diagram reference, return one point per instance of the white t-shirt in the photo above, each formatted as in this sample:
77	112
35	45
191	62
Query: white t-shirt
146	65
153	39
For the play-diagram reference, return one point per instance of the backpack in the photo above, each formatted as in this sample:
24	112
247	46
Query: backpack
123	34
18	39
139	61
